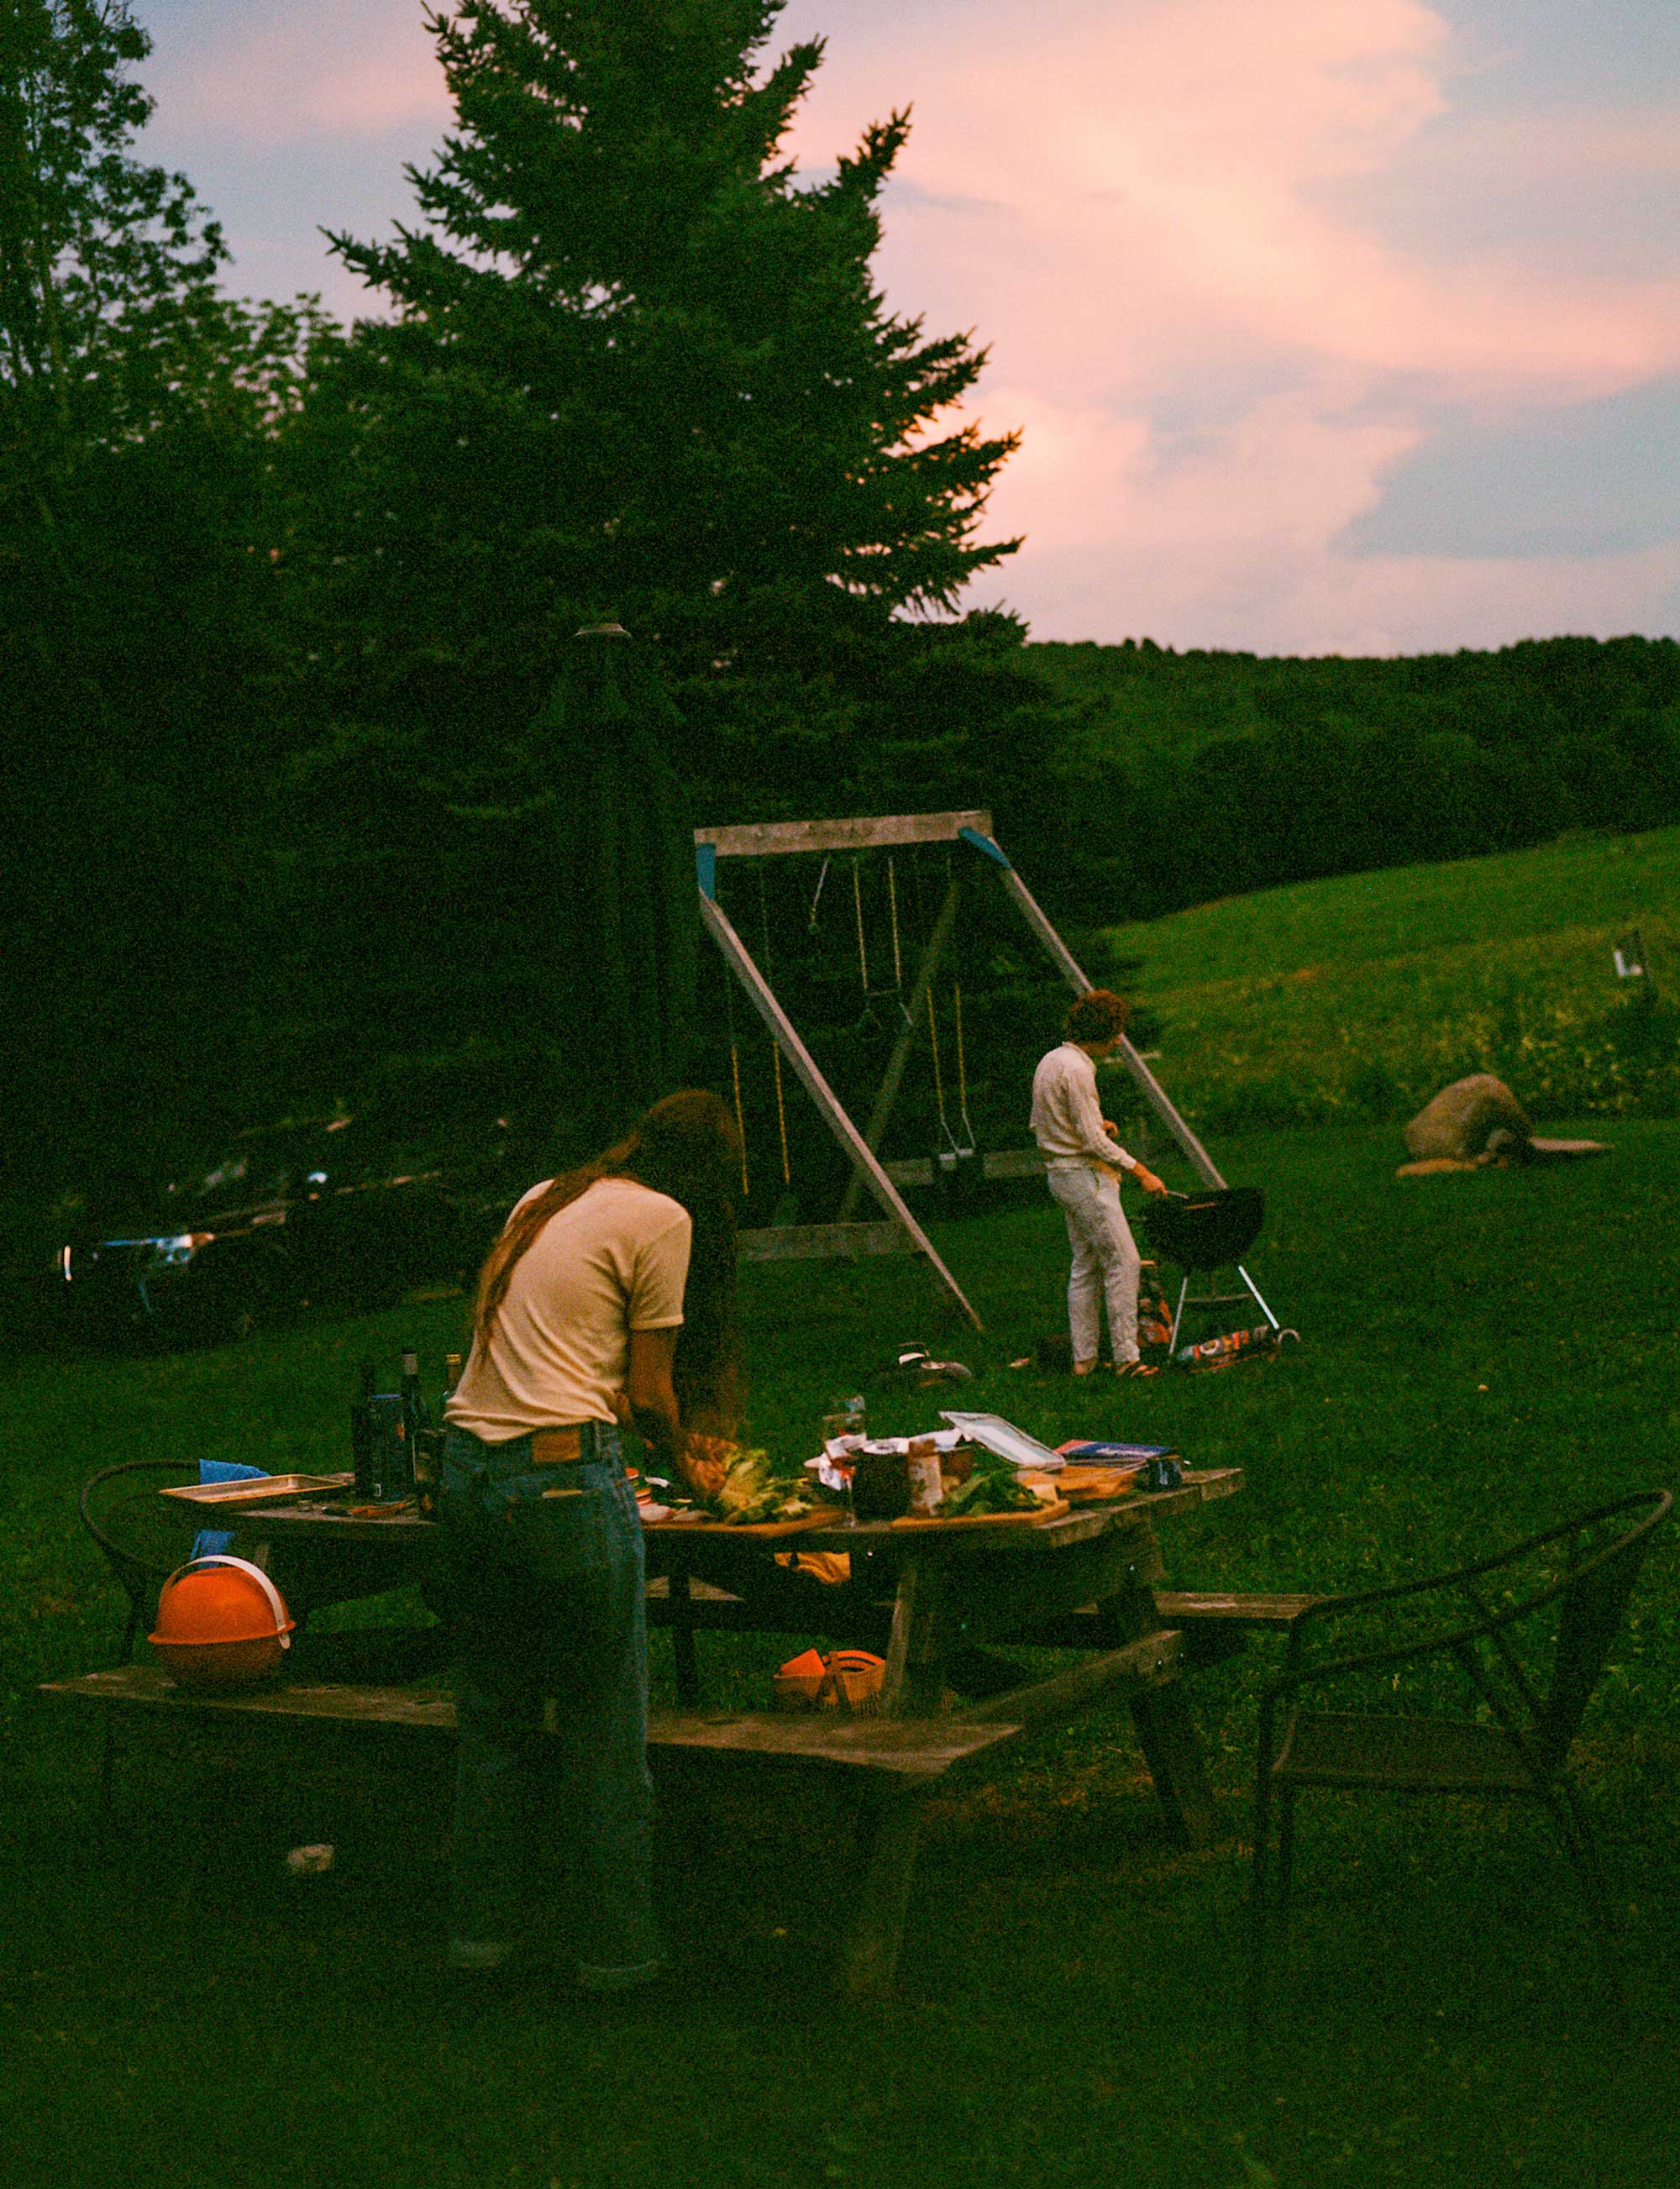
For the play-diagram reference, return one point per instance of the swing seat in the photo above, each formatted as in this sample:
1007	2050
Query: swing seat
960	1175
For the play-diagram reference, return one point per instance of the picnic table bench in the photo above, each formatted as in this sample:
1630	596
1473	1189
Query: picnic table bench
879	1768
1084	1580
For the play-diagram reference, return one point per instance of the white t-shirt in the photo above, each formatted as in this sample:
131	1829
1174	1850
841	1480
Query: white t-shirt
613	1260
1066	1115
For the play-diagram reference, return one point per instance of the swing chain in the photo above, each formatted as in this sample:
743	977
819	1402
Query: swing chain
897	990
817	898
957	1149
962	1073
735	1074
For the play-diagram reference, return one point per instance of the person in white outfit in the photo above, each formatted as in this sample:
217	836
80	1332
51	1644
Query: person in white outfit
1084	1161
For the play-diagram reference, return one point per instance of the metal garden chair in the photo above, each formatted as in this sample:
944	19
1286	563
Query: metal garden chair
144	1537
1521	1639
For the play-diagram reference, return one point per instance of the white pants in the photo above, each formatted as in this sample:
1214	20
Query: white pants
1105	1261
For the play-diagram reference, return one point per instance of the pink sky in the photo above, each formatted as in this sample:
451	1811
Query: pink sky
1331	325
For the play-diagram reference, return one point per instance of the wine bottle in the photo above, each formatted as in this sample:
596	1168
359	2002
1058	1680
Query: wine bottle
422	1475
361	1431
429	1446
414	1406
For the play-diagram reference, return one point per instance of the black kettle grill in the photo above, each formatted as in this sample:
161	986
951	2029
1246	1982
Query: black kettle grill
1206	1232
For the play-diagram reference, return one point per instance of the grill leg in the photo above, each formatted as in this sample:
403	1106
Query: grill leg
1259	1301
1179	1314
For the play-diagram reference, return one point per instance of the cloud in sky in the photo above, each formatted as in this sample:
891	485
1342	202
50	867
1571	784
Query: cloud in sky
297	70
1144	209
1242	265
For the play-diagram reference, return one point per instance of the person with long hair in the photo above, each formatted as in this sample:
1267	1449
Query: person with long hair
1084	1161
607	1298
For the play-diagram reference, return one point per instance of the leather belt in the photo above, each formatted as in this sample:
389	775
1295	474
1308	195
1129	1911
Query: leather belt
550	1447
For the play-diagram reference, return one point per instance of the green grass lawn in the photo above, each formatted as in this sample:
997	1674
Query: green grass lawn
1364	994
1480	1354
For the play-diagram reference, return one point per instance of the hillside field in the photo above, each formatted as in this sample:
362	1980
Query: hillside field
1360	996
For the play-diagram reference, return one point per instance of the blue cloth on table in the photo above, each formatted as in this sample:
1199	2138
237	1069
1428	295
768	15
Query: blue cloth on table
215	1543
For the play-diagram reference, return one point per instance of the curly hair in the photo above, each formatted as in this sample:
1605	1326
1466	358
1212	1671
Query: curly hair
1097	1016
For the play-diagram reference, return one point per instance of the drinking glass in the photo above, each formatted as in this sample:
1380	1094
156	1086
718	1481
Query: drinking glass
839	1423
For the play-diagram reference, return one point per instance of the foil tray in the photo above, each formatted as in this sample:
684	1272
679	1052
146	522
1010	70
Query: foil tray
258	1489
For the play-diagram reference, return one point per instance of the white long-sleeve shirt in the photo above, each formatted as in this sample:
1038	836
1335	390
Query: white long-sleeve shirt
1066	1115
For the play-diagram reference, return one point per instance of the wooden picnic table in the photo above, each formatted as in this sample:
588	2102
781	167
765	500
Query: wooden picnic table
1086	1581
1083	1580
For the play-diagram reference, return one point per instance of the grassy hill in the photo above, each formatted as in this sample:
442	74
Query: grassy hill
1362	994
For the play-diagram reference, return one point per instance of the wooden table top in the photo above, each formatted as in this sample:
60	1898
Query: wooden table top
1201	1485
303	1518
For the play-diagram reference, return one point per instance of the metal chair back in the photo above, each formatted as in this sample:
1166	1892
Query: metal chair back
143	1537
1593	1612
1533	1653
1530	1630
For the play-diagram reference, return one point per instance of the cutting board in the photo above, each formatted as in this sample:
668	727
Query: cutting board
1096	1486
756	1531
916	1523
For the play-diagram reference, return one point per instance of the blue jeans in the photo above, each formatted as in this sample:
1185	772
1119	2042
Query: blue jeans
545	1570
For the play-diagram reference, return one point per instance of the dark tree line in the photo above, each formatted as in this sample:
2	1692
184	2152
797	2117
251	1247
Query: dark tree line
280	601
1208	774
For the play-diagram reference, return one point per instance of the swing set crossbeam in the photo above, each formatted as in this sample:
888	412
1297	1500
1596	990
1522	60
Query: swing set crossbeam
763	840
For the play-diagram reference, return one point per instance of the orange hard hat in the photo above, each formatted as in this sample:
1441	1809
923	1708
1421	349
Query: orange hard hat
221	1622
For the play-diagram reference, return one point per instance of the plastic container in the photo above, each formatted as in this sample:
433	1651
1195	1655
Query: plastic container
926	1485
799	1682
221	1623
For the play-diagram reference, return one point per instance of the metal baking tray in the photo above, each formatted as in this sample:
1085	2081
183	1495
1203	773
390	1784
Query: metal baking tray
258	1489
1008	1441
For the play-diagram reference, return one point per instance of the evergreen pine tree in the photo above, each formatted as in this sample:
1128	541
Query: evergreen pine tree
639	368
636	368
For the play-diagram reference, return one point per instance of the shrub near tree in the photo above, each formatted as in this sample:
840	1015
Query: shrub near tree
138	605
636	367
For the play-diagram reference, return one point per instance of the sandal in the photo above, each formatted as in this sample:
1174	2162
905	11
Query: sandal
1131	1371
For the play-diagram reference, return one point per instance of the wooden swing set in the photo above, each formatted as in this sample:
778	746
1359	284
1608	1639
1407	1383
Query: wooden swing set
898	1231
